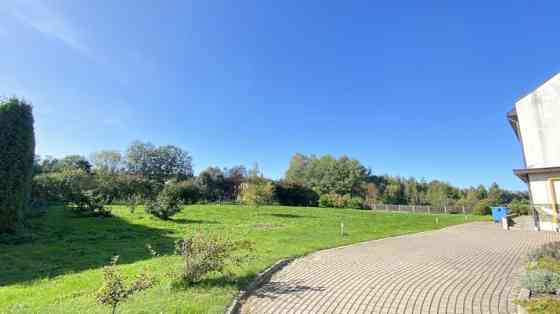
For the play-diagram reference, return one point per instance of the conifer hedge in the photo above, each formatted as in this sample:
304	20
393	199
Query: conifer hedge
17	150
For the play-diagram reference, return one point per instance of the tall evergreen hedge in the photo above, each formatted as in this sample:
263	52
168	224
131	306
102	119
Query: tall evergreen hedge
17	150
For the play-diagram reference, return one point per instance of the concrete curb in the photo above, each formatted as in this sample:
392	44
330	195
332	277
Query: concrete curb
260	279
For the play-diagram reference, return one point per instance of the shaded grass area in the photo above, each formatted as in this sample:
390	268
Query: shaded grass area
60	270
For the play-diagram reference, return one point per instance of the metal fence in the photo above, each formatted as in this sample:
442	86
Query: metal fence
419	209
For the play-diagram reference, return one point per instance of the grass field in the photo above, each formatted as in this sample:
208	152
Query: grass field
60	271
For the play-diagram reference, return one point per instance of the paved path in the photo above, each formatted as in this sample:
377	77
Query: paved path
468	268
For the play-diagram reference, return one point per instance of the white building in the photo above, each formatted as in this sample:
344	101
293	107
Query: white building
536	122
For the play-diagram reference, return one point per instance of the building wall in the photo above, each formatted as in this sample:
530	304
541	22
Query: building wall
539	125
539	188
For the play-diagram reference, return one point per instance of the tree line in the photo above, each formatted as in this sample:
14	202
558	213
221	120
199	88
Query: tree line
162	178
347	178
310	180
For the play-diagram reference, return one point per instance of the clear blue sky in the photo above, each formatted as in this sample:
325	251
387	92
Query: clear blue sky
415	88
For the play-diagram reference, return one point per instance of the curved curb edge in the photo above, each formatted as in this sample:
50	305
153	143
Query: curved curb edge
259	280
265	275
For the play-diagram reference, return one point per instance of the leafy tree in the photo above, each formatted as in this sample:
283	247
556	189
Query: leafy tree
495	194
440	194
158	163
17	154
167	204
483	207
212	184
299	168
74	162
234	177
372	193
482	192
394	193
327	174
519	207
257	190
188	191
294	194
107	161
470	199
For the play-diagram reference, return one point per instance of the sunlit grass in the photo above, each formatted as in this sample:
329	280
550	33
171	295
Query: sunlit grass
60	271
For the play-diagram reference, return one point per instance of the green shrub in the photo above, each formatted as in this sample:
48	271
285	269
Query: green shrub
294	194
519	207
340	201
541	305
17	153
80	192
166	204
551	250
202	254
48	187
545	263
115	289
257	192
356	202
188	191
541	281
482	207
122	186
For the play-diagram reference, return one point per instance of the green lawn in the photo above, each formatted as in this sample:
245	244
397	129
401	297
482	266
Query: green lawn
60	271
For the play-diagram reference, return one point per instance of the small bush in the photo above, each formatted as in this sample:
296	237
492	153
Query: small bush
541	281
202	254
551	250
356	202
541	305
166	204
115	290
545	263
340	201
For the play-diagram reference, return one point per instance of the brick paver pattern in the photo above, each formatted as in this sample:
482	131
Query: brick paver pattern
470	268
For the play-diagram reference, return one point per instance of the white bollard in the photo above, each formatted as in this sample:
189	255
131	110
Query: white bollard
505	223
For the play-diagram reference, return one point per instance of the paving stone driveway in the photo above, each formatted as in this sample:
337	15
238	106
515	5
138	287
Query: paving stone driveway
469	268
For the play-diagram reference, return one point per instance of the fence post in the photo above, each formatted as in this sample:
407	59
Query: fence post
413	208
429	210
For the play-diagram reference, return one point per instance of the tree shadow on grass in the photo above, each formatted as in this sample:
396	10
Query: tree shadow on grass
194	221
269	290
62	244
290	216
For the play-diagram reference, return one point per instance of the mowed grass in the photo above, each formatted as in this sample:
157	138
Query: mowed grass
60	271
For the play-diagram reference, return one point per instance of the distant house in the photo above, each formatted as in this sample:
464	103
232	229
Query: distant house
536	122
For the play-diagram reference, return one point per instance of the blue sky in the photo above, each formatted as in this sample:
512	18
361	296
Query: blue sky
412	88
